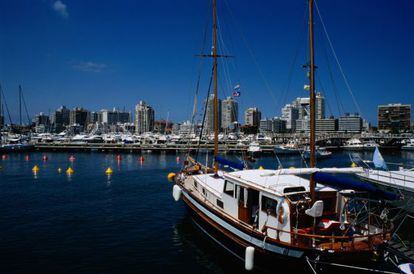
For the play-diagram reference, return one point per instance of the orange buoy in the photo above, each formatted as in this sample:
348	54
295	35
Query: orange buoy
44	158
118	157
72	158
4	157
27	158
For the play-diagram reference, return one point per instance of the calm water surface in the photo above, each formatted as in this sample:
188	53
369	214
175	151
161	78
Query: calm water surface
92	223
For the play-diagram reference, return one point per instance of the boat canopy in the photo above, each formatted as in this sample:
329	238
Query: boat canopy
236	165
350	183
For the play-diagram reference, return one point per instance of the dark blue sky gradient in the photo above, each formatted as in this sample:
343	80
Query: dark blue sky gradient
106	54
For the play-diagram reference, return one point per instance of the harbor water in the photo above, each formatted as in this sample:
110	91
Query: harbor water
92	222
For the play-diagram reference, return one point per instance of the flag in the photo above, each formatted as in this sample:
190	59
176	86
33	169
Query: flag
236	90
236	93
306	87
378	160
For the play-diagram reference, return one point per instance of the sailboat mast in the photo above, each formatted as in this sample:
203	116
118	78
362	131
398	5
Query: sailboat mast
20	104
215	85
312	136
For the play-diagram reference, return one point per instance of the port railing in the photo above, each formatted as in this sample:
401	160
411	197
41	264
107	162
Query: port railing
391	177
333	242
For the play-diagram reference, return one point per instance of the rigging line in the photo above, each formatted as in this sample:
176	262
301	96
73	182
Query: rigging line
225	62
204	115
324	93
5	104
267	85
332	79
299	46
226	69
203	47
337	60
25	108
230	41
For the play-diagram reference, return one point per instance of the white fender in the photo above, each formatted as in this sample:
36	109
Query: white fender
176	193
249	258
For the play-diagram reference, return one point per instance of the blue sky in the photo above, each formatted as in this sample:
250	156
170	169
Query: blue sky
104	54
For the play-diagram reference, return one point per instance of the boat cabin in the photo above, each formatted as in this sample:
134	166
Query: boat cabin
269	203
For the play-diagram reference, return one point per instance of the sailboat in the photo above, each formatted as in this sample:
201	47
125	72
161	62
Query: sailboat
13	143
308	216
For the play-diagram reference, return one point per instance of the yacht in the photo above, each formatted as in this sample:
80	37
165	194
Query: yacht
369	145
353	144
321	153
254	147
409	145
290	148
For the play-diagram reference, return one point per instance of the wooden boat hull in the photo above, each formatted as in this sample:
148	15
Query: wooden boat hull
268	256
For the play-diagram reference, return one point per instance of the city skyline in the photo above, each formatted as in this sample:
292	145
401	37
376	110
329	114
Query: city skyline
68	55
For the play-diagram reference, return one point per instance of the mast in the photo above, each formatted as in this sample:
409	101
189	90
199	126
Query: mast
215	85
20	104
312	98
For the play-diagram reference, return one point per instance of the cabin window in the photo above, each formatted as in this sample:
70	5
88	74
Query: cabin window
229	188
294	189
269	206
195	185
220	203
204	192
240	192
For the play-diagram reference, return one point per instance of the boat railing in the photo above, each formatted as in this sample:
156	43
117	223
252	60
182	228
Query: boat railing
394	178
333	242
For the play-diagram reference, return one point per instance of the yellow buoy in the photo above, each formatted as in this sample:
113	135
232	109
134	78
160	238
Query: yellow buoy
171	176
59	170
69	171
108	171
353	164
35	168
261	167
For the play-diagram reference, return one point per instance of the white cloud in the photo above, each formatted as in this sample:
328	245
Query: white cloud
60	8
89	66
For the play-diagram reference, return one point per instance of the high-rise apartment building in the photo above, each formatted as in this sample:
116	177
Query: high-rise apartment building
114	116
229	112
60	118
252	117
144	118
79	116
209	120
290	114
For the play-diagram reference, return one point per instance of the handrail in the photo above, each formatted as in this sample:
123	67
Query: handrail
325	236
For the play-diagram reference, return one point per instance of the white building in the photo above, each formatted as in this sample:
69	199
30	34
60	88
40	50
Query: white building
252	117
112	117
209	122
290	114
229	113
350	123
144	118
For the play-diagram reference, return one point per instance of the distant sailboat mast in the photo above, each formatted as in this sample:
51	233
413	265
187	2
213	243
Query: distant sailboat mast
20	105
